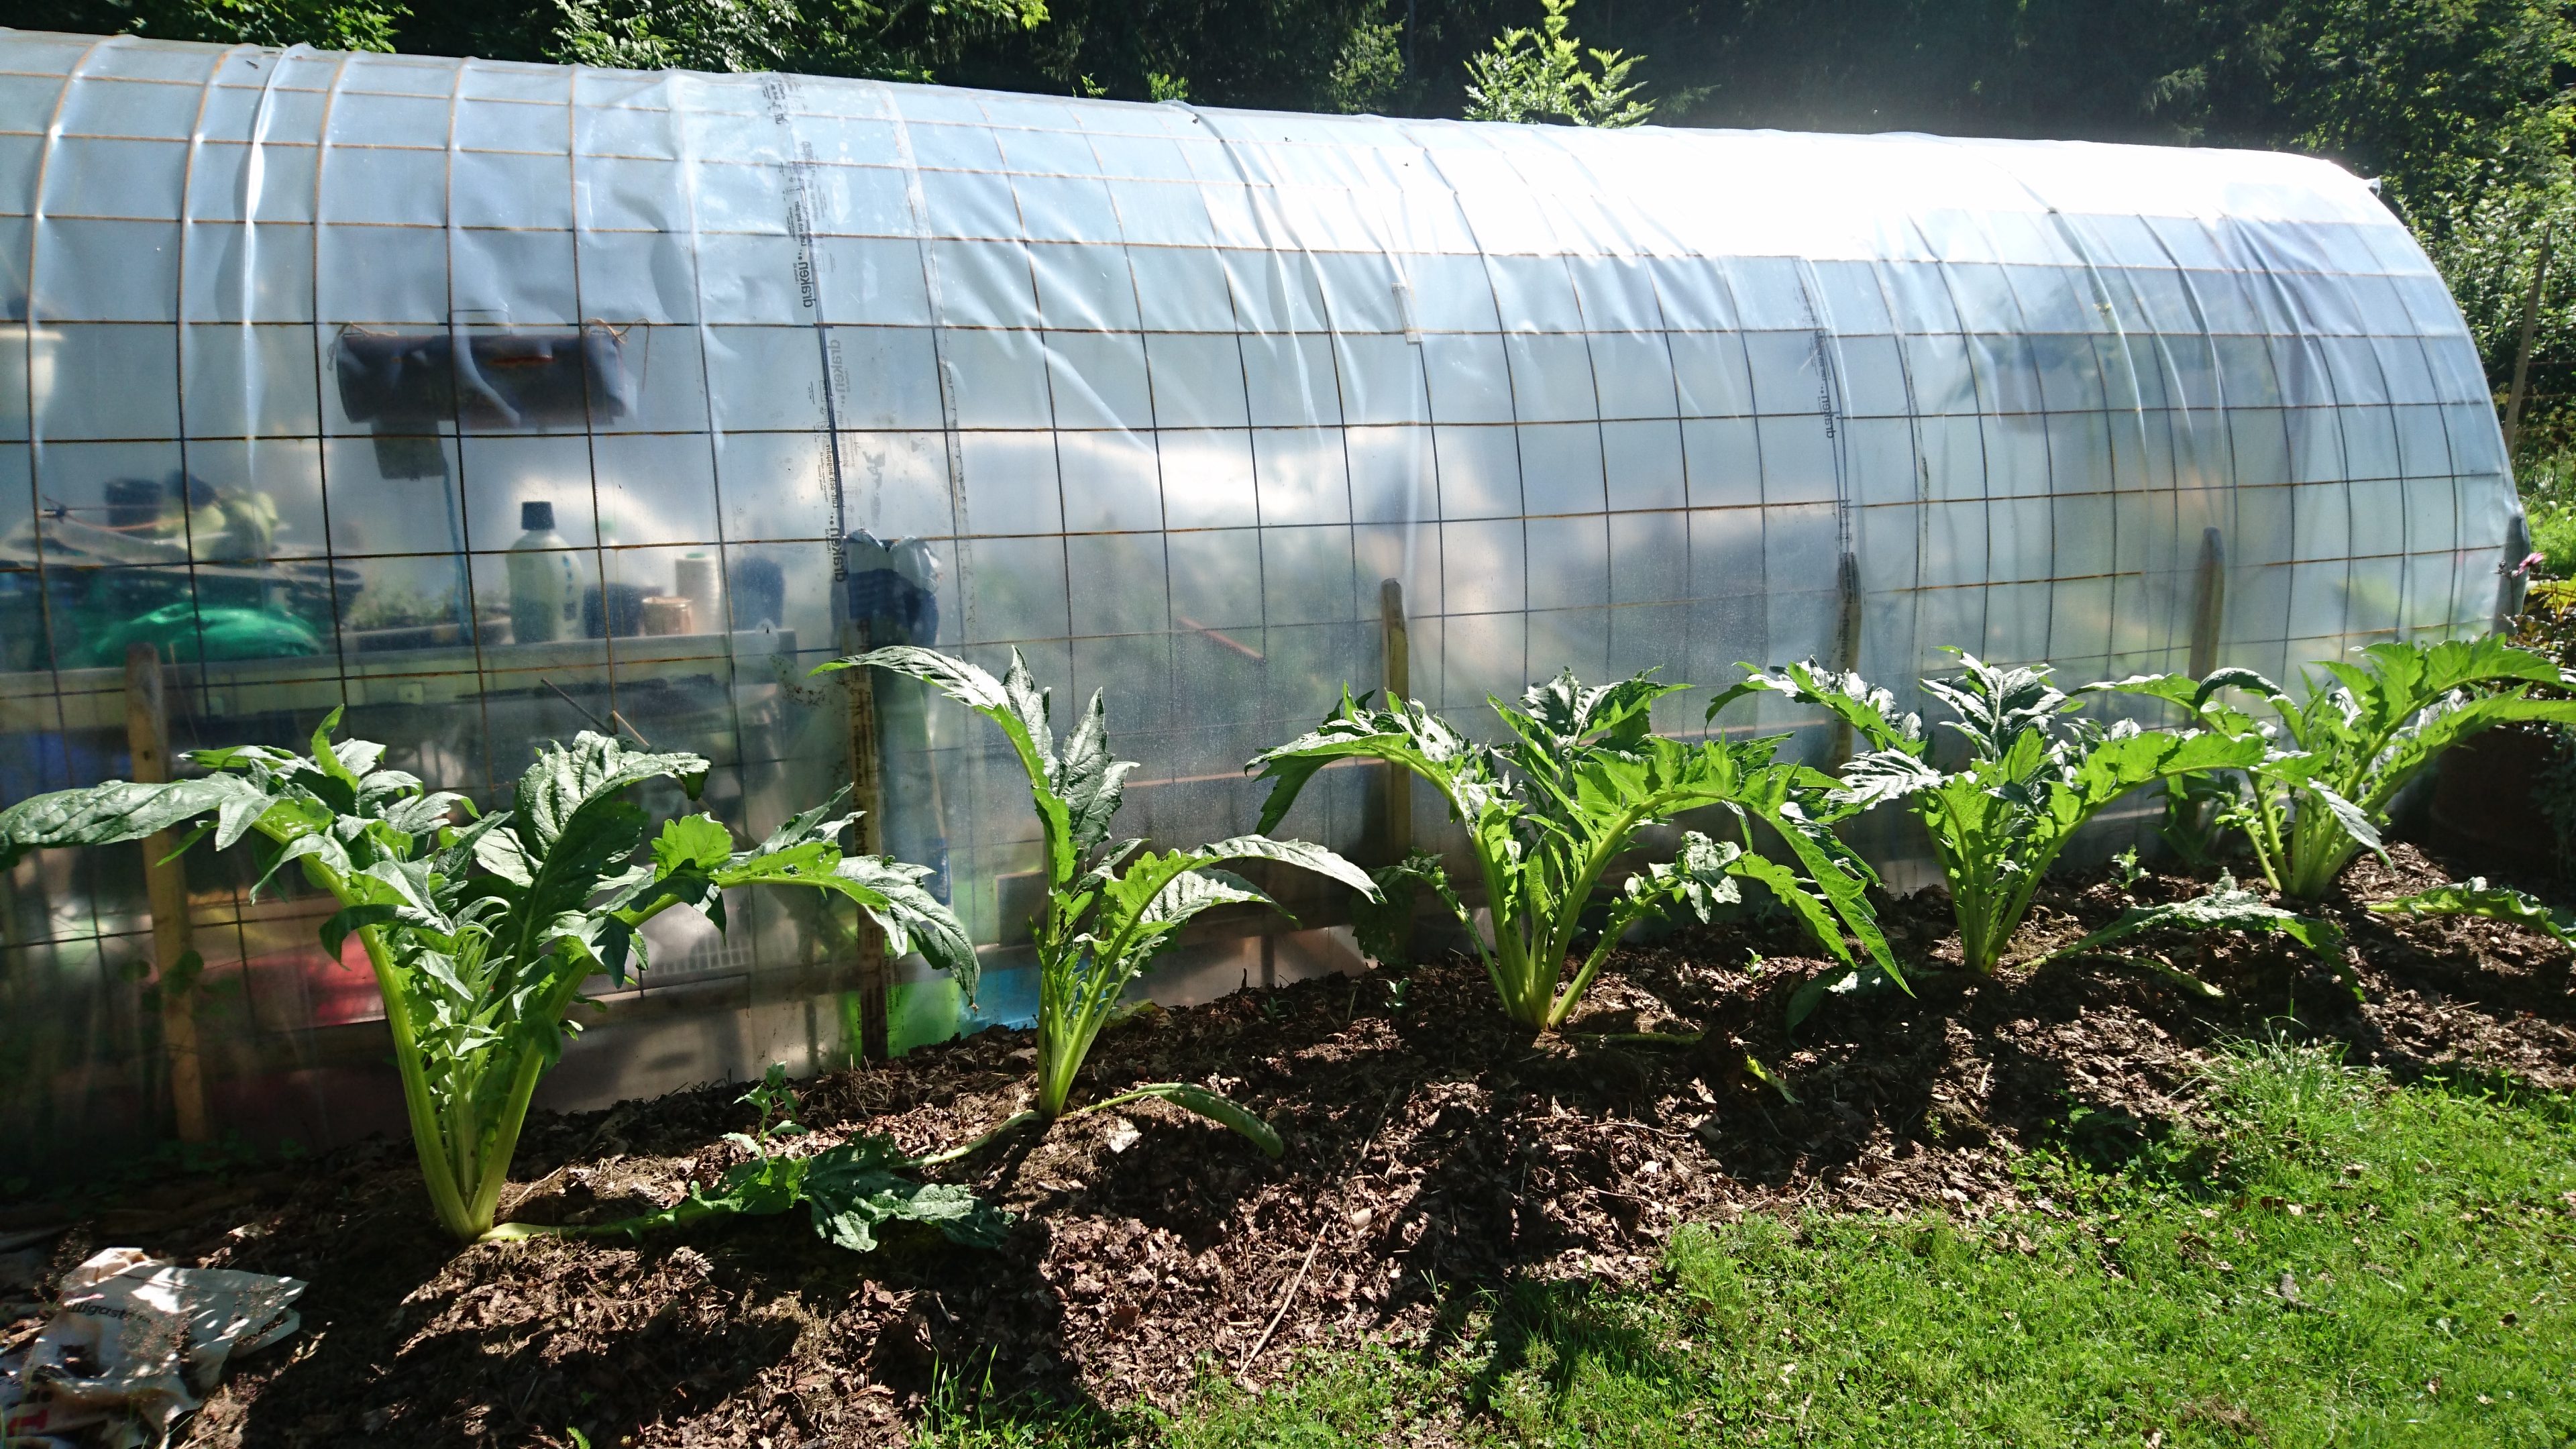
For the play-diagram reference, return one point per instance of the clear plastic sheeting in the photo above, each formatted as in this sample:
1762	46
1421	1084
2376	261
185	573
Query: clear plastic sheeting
1158	395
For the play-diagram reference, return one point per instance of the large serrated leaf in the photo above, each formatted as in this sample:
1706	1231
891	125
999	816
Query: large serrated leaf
564	781
959	680
1302	854
1194	891
2477	898
1870	711
2123	763
120	810
1885	775
912	917
852	1191
1019	708
1091	783
692	842
2225	906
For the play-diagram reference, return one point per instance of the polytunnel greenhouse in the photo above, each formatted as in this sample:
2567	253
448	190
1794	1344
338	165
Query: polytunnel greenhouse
494	402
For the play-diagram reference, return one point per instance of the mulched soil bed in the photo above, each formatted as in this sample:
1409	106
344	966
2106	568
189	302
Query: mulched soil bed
1432	1153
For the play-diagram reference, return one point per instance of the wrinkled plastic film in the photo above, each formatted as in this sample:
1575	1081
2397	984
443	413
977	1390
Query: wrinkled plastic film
1159	396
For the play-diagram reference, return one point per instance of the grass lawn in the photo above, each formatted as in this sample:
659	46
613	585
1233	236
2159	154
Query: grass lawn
2332	1260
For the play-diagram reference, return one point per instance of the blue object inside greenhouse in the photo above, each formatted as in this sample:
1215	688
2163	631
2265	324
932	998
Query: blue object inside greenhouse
892	597
1157	395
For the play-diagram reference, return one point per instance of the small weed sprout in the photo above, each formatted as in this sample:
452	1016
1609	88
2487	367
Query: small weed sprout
777	1104
2126	870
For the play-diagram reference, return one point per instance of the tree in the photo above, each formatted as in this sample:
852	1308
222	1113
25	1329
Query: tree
1533	76
323	24
900	40
1368	75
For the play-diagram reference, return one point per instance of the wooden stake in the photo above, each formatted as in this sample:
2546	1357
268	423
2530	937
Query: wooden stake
1395	780
867	795
147	736
1846	647
2522	351
2208	602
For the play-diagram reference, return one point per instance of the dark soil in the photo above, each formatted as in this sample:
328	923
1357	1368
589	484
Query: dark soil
1432	1152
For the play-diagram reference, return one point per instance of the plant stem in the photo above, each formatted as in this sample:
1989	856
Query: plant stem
1564	1004
2267	845
1120	1100
687	1210
445	1193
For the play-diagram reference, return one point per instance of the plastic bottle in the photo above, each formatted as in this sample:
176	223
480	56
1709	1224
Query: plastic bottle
542	595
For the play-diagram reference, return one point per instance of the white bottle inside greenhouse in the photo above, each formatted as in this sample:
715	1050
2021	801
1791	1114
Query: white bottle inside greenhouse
544	599
1193	406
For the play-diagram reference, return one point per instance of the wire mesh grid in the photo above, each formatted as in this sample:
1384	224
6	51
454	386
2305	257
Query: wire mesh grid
1156	395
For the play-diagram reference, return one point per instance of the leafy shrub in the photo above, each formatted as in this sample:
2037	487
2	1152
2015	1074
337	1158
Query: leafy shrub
1539	75
1111	908
1548	813
481	936
2317	789
2549	507
2033	777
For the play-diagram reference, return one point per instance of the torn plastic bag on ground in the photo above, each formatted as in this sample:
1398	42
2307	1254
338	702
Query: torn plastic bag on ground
132	1347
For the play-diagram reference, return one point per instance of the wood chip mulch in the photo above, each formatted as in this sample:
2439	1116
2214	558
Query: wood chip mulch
1433	1153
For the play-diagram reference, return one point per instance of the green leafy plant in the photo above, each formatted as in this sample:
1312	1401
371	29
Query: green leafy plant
2198	818
1539	75
2226	906
777	1104
851	1190
814	37
2033	777
2317	791
1111	908
2125	866
1547	815
2477	898
1368	74
1383	928
481	935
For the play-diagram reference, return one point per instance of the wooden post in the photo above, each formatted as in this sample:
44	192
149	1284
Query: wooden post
867	795
1395	780
2522	351
2208	602
147	735
1846	647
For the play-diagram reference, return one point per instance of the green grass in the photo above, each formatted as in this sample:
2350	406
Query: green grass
2427	1235
2549	501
